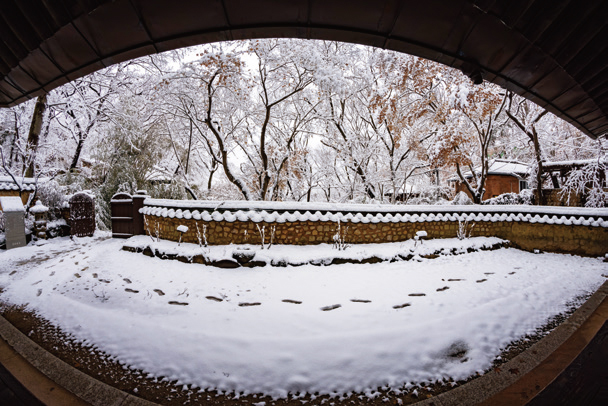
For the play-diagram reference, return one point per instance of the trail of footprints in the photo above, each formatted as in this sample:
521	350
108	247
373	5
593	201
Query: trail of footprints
297	302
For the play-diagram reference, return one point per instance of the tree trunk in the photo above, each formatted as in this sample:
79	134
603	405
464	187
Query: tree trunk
34	134
77	153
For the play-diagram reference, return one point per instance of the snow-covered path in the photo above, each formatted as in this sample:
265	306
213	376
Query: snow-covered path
275	330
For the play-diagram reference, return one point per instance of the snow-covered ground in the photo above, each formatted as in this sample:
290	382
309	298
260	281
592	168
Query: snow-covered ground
275	330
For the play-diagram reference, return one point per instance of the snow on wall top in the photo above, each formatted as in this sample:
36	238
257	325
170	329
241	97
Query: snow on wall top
572	163
11	204
281	212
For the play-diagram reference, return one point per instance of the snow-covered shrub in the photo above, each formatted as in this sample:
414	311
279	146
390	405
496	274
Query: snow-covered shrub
432	194
525	197
340	238
464	231
52	195
462	199
587	182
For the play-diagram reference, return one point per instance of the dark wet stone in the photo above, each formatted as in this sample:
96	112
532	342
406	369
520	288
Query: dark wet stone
160	292
254	264
199	259
243	256
371	260
291	301
331	307
360	300
184	259
173	302
127	280
131	290
129	248
225	263
455	280
481	280
280	263
442	289
417	294
148	252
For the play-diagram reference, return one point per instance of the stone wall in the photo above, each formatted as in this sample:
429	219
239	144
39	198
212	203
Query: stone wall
576	239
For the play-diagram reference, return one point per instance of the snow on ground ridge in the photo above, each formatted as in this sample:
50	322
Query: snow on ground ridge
396	322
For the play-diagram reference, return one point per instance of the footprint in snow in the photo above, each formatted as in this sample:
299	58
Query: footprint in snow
360	300
77	275
443	289
131	290
291	301
245	304
39	292
160	292
215	299
127	280
331	307
401	306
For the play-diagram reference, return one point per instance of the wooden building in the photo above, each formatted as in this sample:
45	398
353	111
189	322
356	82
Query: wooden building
504	176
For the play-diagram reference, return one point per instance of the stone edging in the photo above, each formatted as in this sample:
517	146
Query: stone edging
246	258
80	384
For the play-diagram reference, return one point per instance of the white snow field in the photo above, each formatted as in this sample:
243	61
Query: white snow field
276	330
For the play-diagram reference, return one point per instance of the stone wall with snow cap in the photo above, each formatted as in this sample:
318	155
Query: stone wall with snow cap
561	229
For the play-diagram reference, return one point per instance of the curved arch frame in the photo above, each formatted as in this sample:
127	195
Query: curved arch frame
553	52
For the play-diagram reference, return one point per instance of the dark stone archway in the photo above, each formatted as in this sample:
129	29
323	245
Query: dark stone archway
554	52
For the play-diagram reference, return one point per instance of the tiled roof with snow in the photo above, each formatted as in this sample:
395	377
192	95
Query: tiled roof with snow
7	183
501	167
281	212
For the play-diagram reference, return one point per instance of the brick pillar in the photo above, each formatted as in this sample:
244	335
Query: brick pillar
138	218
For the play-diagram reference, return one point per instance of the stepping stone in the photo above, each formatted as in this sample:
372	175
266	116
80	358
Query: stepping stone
77	275
401	306
511	273
127	280
84	269
160	292
105	280
360	300
291	301
442	289
94	275
455	280
481	280
417	294
215	299
245	304
173	302
131	290
331	307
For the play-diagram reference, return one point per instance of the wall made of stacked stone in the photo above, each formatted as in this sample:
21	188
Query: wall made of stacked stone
583	240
